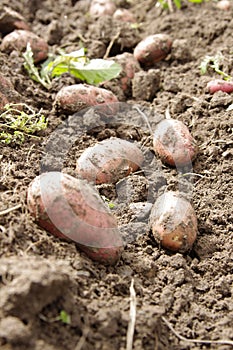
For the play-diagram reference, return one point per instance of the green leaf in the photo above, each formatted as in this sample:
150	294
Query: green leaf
177	3
196	1
93	72
65	317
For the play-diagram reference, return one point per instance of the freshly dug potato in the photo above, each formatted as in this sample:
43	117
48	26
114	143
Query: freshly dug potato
11	20
224	5
71	208
123	82
124	15
220	85
73	98
173	143
109	161
100	8
18	39
173	222
152	49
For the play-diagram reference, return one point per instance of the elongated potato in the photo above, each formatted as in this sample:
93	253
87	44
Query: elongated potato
73	98
109	161
71	208
18	39
152	49
173	143
220	85
173	222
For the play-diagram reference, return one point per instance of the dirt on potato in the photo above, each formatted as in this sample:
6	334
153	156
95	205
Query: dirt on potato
52	296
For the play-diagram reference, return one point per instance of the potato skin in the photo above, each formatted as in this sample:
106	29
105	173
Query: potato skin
152	49
173	222
109	161
219	85
100	8
173	143
18	39
74	98
124	15
11	20
71	208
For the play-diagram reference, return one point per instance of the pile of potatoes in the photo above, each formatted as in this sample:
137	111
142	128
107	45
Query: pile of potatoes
71	207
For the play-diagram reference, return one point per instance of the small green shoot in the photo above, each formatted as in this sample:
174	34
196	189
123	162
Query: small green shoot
64	317
16	124
33	70
76	63
168	4
108	202
214	62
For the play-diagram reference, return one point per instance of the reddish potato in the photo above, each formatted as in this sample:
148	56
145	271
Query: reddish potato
153	49
123	82
173	143
18	39
173	222
11	20
224	5
71	208
124	15
109	161
73	98
100	8
219	85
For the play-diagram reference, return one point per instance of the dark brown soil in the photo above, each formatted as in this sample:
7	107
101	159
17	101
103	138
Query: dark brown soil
41	275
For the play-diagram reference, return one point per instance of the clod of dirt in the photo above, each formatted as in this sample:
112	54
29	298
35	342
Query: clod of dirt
7	92
33	284
146	84
13	330
181	51
122	35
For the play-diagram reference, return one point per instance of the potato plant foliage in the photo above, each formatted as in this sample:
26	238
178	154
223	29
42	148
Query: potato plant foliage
76	63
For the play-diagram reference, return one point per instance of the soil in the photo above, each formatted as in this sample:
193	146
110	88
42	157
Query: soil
41	275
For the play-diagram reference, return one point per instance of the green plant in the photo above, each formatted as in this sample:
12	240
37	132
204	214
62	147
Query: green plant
215	63
108	202
76	63
64	317
16	124
168	4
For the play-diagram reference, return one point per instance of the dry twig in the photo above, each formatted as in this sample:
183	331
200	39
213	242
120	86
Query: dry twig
111	44
6	211
199	341
132	314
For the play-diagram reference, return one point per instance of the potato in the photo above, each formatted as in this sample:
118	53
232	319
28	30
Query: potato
220	85
109	161
123	82
124	15
11	20
224	5
153	49
73	98
71	208
173	222
100	8
18	39
173	143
